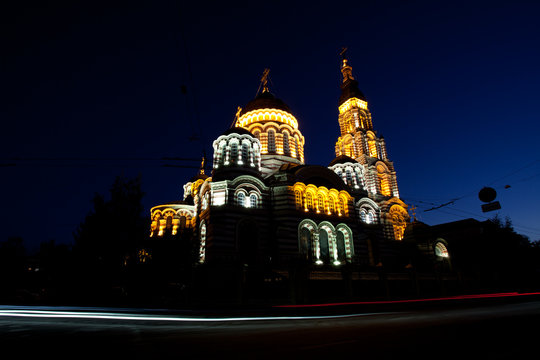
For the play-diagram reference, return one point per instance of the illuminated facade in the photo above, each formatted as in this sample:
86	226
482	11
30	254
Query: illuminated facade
265	210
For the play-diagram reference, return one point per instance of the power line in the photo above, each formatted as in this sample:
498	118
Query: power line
34	161
516	171
452	211
109	158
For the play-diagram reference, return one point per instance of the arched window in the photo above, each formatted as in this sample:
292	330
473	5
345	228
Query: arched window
245	153
298	199
240	199
222	152
358	176
349	177
271	141
324	245
168	225
342	206
363	215
234	153
297	144
331	205
286	149
371	145
305	242
356	123
309	201
440	250
383	180
340	243
320	203
252	201
370	217
182	222
344	243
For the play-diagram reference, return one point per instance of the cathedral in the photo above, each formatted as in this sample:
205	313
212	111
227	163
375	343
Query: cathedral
264	223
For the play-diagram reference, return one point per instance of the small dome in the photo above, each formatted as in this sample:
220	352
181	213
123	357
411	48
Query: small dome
342	159
237	130
265	100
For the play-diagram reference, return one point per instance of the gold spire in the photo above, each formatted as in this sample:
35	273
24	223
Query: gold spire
264	80
203	163
346	69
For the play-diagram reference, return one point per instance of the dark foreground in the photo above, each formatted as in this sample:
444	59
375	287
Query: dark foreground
499	329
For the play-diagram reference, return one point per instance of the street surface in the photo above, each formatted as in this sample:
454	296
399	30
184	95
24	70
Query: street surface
479	330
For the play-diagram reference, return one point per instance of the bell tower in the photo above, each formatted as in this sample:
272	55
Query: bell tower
360	142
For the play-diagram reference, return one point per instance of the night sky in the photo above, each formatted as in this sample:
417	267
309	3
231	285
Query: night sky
93	90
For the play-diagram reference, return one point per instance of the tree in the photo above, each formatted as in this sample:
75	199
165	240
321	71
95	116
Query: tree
510	254
12	267
109	235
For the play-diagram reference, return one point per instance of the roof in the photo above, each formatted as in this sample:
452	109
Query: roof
349	89
265	100
342	159
316	175
237	130
199	176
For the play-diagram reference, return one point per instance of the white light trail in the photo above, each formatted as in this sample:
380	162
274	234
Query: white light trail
143	317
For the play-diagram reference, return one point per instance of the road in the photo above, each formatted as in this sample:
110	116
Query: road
494	330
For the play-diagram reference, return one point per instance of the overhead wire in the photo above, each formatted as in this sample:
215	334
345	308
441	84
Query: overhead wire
97	161
181	42
452	201
464	214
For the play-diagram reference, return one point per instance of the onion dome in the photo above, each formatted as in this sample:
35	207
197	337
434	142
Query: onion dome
270	120
265	100
237	151
265	108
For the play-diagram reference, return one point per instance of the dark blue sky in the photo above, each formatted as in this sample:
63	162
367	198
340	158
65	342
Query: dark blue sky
93	89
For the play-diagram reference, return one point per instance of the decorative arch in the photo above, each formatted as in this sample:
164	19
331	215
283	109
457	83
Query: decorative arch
440	249
325	243
398	217
344	241
240	197
307	237
368	211
384	179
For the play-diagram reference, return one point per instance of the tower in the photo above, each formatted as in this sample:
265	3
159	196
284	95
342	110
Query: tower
361	156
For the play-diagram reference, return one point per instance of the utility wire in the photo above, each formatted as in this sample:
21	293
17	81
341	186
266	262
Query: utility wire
452	201
525	228
516	171
97	161
182	45
44	158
